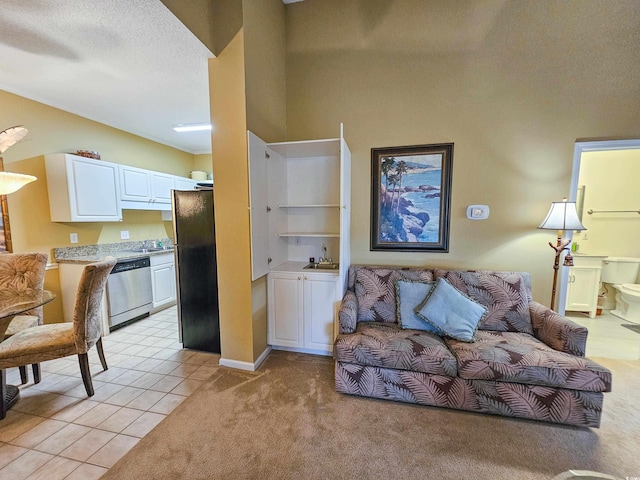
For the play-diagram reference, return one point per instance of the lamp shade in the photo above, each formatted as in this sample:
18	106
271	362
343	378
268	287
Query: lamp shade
11	182
562	216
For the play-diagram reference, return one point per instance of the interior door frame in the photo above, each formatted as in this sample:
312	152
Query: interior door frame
578	150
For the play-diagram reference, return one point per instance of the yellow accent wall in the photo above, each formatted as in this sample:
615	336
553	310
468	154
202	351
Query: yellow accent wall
247	91
50	131
231	193
512	84
265	89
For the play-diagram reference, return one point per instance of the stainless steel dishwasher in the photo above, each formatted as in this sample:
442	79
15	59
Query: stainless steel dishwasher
129	292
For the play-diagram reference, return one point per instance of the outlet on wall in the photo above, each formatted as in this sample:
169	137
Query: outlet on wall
124	234
73	237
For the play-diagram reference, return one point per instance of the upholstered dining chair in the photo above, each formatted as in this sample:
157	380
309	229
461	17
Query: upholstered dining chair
48	342
23	274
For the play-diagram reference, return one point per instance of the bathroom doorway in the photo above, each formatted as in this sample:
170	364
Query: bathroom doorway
608	233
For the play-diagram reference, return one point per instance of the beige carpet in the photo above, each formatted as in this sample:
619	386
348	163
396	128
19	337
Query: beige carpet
287	422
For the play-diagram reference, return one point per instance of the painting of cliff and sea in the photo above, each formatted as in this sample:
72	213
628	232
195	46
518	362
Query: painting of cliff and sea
411	197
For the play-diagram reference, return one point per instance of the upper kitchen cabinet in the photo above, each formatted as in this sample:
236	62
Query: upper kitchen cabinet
142	189
183	183
299	202
82	189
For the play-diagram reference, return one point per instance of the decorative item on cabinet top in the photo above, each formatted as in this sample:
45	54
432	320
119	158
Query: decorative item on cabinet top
89	154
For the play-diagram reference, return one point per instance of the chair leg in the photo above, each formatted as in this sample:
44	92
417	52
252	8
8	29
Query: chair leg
83	358
3	394
101	354
36	372
24	375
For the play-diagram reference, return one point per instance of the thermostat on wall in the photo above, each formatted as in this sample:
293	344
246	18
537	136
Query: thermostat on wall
478	212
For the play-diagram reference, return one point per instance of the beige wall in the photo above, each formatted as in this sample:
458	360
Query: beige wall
247	91
52	130
512	83
203	162
231	192
265	90
611	183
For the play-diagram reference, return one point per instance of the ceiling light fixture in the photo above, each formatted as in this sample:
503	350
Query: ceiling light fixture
192	127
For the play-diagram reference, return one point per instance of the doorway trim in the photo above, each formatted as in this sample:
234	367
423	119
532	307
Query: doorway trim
578	150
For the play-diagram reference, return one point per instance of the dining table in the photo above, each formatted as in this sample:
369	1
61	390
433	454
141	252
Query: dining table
12	304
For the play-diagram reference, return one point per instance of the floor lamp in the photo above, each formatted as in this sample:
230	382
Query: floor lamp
562	216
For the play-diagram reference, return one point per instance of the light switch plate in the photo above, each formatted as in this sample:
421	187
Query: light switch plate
478	212
73	237
124	234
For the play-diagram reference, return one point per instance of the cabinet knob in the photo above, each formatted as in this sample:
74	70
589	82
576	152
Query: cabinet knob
299	277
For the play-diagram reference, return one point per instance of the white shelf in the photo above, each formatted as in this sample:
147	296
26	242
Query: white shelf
319	205
309	234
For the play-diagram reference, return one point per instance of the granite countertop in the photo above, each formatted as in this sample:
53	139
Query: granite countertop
121	251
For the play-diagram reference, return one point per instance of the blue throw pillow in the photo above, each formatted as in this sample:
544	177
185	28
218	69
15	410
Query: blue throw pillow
449	310
409	294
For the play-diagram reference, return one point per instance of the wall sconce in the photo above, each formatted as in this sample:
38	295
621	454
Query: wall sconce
562	216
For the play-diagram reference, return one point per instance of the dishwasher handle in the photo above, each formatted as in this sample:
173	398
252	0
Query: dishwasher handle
131	264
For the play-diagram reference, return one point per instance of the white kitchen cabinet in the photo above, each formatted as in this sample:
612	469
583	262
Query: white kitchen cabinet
82	189
584	284
183	183
301	311
161	186
142	189
163	280
299	203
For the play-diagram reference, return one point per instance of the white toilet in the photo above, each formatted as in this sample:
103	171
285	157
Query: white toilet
623	273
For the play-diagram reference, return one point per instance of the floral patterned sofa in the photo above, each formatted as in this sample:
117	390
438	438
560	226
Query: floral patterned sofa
524	360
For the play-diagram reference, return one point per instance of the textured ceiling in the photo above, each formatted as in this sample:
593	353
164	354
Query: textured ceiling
128	64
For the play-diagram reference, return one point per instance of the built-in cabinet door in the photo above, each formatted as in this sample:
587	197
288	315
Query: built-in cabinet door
301	311
163	282
345	213
95	190
161	186
134	184
82	189
258	203
582	290
163	279
319	297
285	310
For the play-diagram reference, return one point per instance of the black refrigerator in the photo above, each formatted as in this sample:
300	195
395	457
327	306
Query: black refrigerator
196	270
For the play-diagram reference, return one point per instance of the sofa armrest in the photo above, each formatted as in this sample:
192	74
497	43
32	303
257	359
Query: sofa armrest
557	331
348	313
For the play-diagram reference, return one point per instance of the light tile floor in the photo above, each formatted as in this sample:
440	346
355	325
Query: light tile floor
56	432
607	337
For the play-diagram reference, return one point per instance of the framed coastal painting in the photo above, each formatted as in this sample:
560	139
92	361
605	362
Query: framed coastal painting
411	197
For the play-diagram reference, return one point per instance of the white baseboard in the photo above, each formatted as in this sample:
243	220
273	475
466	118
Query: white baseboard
311	351
252	367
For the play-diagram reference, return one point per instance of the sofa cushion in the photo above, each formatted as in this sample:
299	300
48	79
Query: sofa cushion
505	294
387	345
521	358
409	295
451	312
376	291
